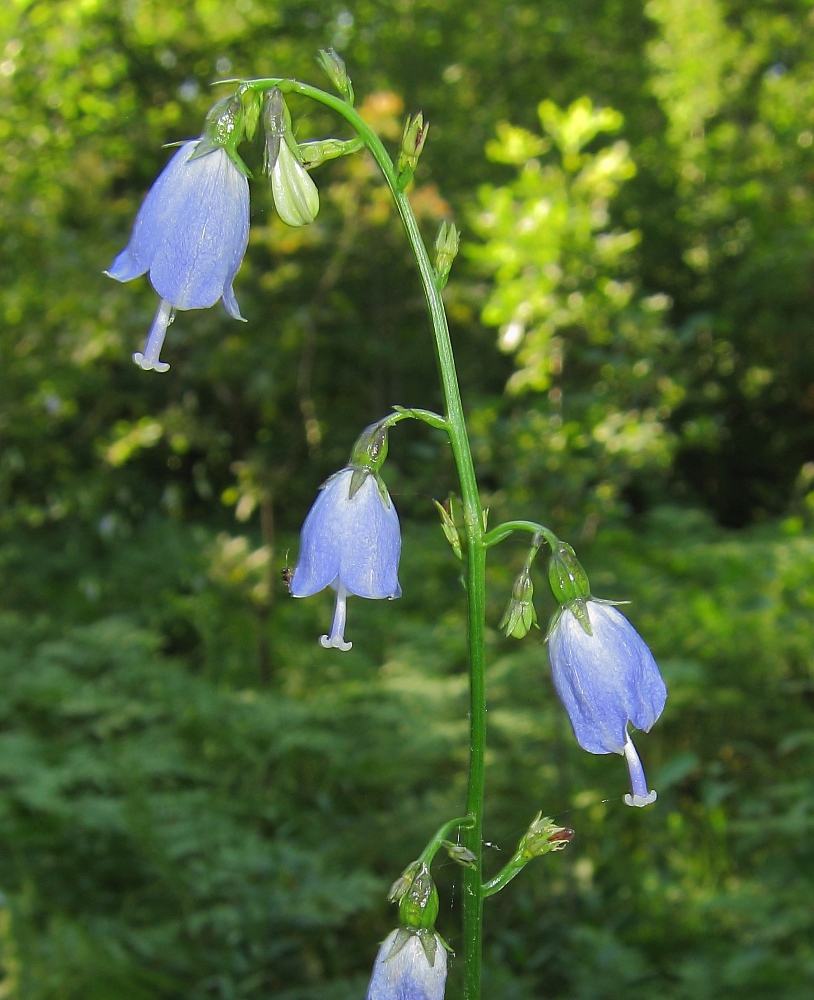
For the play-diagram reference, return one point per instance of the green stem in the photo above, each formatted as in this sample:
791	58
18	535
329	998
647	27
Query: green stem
503	531
472	513
441	834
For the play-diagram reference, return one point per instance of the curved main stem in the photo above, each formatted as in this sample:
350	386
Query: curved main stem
473	523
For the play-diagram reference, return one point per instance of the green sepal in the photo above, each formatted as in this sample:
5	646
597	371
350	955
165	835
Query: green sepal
224	128
449	527
357	480
569	581
579	609
429	942
370	448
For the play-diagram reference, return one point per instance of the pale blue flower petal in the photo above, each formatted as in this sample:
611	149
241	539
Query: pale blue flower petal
406	974
605	680
356	542
191	231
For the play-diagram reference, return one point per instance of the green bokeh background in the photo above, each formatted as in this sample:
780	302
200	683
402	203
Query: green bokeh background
196	801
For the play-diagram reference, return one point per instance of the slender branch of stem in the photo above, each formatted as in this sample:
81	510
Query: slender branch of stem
472	512
503	531
441	834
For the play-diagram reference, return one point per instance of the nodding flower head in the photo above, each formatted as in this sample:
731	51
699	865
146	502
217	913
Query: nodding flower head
190	235
411	965
607	679
351	541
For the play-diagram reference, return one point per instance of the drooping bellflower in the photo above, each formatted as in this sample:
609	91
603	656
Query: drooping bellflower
606	678
351	541
410	965
192	229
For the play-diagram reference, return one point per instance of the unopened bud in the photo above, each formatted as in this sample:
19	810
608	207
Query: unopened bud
252	101
412	142
403	883
520	617
460	854
446	249
319	150
334	66
449	527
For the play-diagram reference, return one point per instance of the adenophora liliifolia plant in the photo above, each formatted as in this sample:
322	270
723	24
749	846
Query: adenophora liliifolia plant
192	246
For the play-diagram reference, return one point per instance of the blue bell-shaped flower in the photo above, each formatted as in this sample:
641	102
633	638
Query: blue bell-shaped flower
606	679
411	965
191	231
351	541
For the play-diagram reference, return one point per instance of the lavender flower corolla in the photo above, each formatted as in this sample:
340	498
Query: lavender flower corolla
351	541
190	234
404	970
606	681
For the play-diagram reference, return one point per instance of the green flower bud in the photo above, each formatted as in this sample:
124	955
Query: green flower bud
412	142
418	907
449	527
402	884
334	66
459	854
446	250
520	617
568	579
252	101
319	150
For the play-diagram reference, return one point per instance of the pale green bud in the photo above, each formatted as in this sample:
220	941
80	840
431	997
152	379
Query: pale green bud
446	250
520	617
412	142
334	66
295	195
449	527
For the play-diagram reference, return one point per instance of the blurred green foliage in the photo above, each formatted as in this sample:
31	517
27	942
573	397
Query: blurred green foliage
195	800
